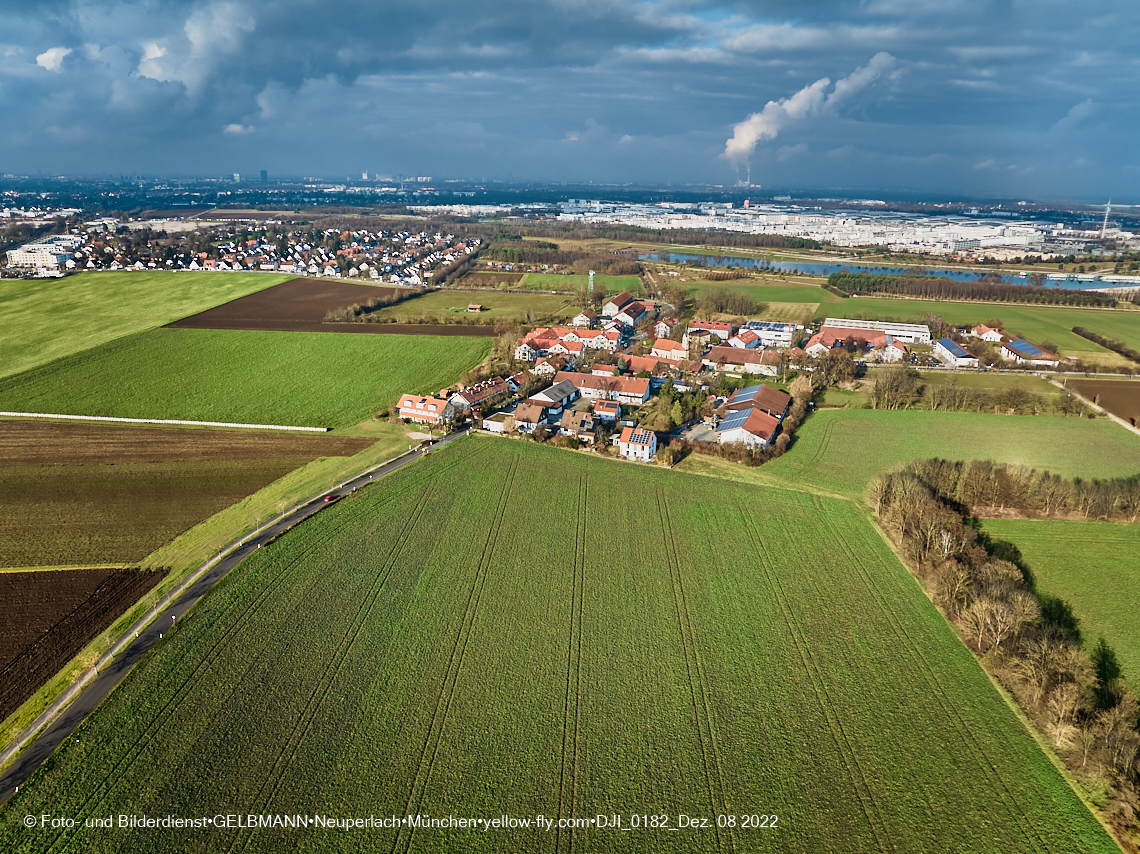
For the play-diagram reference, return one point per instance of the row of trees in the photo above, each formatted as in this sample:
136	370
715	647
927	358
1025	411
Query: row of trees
725	301
365	311
1108	343
900	387
984	290
1031	643
538	253
986	484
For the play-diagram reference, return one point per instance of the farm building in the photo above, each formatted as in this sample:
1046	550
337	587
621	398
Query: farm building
752	427
632	314
475	307
953	355
496	423
637	444
622	389
772	333
1024	353
763	397
425	410
558	395
910	333
736	360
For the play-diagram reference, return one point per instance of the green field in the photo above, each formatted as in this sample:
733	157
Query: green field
1092	565
446	305
295	378
573	281
707	649
44	319
1033	323
840	450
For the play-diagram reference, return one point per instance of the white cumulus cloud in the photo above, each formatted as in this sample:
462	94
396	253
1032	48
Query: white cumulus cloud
52	58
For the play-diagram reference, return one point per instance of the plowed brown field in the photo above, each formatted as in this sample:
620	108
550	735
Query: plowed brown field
83	493
1120	397
300	305
46	618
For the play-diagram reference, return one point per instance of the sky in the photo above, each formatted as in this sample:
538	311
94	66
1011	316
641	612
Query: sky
990	98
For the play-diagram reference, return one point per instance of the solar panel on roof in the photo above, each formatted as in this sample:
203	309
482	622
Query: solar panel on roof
746	394
954	349
735	420
1024	348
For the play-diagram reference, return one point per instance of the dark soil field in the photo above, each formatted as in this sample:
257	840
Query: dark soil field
28	442
489	280
77	493
46	618
299	305
1120	397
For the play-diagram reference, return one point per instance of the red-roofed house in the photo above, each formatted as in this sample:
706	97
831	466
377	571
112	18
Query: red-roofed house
616	303
425	410
664	327
766	362
663	348
637	444
757	428
987	334
607	410
745	339
721	330
585	319
622	389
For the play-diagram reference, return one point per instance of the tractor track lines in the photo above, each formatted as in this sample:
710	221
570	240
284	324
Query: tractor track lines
568	791
950	710
178	698
328	678
455	665
842	741
705	732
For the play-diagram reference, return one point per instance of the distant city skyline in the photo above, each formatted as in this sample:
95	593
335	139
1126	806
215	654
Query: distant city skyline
1037	101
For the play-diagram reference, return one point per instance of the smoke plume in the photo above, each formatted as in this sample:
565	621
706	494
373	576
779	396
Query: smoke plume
810	101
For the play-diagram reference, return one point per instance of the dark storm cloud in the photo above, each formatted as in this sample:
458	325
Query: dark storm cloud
1032	98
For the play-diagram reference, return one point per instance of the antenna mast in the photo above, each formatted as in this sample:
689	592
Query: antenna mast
1104	225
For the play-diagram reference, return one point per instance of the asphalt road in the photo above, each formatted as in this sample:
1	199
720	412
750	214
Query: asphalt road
64	725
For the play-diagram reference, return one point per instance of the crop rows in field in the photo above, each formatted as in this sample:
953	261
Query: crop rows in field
298	378
568	636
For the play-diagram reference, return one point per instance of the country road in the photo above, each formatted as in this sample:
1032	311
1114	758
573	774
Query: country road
64	723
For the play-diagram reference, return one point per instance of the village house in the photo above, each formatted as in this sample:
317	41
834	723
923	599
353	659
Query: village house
637	444
578	425
773	333
745	339
632	314
607	410
482	394
425	410
605	370
887	350
663	348
663	328
585	319
497	423
615	304
519	380
548	366
529	414
984	332
715	328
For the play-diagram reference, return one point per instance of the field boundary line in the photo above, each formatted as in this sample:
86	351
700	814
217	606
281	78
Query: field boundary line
842	743
177	421
60	704
455	662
